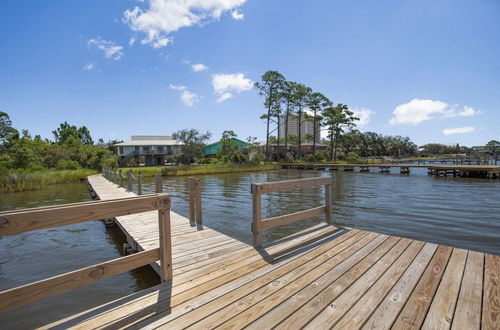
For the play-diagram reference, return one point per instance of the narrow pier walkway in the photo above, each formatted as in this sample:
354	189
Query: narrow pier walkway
323	277
486	171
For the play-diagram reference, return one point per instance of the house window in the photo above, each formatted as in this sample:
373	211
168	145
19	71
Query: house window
136	149
146	148
121	150
159	149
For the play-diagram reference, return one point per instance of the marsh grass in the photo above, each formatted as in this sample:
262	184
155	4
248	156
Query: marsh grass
21	180
201	169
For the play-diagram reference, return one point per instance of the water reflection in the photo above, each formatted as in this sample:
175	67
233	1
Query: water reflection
454	211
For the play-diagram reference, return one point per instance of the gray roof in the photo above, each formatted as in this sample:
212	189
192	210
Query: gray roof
150	140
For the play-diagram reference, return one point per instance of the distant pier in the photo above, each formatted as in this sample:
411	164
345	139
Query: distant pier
477	171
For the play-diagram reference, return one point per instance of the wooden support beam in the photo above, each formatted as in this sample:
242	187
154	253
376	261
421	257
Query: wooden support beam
257	213
17	222
328	203
139	183
191	197
165	240
158	183
267	187
199	220
20	296
292	217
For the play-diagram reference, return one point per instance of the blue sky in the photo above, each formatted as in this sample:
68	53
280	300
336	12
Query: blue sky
429	70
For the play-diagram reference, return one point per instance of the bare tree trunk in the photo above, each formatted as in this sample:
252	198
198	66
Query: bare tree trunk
299	124
314	133
336	143
268	119
286	125
279	152
331	145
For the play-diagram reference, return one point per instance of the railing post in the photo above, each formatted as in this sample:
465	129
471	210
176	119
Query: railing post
139	183
197	186
256	211
328	203
191	200
120	174
165	240
129	180
195	211
115	176
158	183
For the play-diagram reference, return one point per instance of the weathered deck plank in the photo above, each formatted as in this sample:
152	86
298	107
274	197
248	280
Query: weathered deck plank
320	278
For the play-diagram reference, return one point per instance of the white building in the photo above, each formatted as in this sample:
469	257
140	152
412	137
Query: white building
153	148
306	127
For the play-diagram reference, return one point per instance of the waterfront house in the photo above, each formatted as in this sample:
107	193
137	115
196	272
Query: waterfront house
210	150
147	150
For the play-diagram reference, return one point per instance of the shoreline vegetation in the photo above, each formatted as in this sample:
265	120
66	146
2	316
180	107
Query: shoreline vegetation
15	180
24	180
184	170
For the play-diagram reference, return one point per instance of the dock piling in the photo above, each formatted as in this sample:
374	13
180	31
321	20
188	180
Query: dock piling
139	183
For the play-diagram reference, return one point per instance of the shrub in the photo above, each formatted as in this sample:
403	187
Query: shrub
67	165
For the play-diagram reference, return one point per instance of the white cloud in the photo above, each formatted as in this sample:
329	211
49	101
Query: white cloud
466	112
163	17
224	97
363	115
458	130
237	15
89	66
199	67
417	111
131	41
187	97
109	48
231	82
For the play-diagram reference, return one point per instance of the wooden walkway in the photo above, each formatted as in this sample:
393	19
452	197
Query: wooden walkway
323	277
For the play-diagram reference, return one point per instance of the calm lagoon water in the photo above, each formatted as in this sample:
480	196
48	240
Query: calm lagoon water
453	211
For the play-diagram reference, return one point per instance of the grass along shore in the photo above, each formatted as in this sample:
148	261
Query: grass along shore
22	180
184	170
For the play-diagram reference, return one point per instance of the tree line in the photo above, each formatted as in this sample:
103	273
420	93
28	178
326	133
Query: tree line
284	99
72	148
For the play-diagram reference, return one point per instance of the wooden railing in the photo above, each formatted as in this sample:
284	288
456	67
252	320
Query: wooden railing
194	190
195	214
258	189
16	222
116	176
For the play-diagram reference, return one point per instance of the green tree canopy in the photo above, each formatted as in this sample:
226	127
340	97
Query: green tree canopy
193	142
338	119
6	128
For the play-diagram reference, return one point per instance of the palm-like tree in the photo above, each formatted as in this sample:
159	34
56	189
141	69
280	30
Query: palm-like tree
338	119
270	87
317	103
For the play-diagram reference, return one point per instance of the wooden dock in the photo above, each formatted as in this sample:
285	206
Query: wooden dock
486	171
323	277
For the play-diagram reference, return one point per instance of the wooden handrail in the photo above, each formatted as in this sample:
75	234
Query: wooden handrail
259	225
23	295
19	221
40	218
195	212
